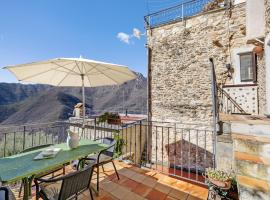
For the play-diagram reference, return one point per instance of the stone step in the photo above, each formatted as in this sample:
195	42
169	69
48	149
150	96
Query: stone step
252	158
252	187
253	145
257	138
252	166
251	129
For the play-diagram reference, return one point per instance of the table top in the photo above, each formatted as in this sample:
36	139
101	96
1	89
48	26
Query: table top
16	167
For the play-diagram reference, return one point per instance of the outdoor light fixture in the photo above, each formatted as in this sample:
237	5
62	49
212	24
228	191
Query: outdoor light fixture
229	70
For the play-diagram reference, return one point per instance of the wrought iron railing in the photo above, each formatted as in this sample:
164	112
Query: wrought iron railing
227	104
179	12
222	101
179	150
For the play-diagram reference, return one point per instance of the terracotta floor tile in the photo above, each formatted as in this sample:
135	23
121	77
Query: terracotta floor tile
130	184
119	192
149	181
167	180
162	188
190	197
138	177
170	198
142	190
178	194
199	192
156	195
182	186
132	196
108	186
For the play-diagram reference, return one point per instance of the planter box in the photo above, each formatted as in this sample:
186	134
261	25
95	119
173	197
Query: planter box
114	121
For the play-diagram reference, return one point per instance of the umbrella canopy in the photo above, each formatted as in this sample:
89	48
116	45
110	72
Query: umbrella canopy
72	72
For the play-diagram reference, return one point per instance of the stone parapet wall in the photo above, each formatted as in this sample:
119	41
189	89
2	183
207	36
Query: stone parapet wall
181	83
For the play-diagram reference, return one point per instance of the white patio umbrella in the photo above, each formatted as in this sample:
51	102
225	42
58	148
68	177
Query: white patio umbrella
72	72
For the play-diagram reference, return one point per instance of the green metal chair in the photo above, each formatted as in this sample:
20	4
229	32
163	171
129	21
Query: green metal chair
103	157
47	172
65	187
6	194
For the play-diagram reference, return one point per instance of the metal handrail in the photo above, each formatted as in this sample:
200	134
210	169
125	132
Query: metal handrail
176	13
231	100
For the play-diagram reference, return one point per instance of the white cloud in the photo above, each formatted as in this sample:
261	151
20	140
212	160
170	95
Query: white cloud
127	38
123	37
137	33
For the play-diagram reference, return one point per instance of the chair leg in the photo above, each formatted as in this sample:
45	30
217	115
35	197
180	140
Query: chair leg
97	178
103	169
91	194
20	191
115	170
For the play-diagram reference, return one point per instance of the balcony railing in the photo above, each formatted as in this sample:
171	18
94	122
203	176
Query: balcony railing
180	12
179	150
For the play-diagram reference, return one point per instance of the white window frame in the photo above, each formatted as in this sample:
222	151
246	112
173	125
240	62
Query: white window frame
236	64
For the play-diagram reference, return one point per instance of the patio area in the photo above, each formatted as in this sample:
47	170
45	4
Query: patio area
137	184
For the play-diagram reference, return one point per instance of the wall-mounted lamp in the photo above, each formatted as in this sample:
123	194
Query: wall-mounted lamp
230	70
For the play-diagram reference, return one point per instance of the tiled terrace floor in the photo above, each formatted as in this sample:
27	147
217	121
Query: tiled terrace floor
136	184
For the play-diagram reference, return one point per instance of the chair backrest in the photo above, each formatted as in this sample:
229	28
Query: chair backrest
76	182
4	193
36	148
111	142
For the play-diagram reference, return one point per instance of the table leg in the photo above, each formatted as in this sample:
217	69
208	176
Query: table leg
27	193
25	188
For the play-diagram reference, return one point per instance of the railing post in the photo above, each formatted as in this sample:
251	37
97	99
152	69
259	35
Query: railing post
182	12
215	111
95	122
5	138
140	143
24	137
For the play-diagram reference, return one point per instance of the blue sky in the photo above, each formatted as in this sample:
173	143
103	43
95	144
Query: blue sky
35	30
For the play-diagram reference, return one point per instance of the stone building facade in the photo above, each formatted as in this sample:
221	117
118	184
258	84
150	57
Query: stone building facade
180	76
180	73
180	68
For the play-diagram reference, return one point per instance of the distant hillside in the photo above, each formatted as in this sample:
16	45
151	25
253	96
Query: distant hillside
21	103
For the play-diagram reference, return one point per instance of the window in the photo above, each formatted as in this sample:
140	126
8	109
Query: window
248	69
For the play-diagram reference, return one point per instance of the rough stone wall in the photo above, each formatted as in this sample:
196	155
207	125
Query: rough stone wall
267	15
261	84
181	83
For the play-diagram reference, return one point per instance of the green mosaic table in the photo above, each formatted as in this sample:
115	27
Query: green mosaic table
24	167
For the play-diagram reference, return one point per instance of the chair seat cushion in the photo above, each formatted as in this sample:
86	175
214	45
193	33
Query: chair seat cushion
102	158
10	194
51	190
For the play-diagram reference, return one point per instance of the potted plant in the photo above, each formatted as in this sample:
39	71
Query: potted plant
219	178
110	118
119	144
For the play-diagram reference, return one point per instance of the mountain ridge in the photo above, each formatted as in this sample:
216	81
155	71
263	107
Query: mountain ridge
28	103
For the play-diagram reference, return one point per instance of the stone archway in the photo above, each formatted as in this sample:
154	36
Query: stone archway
267	69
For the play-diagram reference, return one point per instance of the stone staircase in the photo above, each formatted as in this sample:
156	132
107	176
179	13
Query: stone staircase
252	162
251	153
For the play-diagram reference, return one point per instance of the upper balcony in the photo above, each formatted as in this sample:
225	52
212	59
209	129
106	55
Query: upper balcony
182	11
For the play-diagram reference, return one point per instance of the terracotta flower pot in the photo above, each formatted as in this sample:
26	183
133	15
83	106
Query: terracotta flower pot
222	184
258	50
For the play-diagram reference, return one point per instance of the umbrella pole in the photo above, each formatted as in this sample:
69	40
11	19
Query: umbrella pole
83	100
